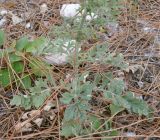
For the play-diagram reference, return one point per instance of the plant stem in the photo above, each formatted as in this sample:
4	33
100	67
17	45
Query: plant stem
78	38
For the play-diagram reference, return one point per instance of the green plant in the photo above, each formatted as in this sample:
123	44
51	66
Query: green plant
105	11
79	94
20	61
77	97
79	91
21	66
35	98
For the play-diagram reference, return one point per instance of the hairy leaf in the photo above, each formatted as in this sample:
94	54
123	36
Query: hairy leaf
67	98
116	86
4	77
22	43
14	58
18	67
2	37
115	109
16	100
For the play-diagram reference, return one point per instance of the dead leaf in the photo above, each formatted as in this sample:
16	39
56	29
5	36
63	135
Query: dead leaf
38	121
134	68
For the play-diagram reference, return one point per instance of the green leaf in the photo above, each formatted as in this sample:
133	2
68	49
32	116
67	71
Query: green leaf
97	78
37	46
86	91
14	58
45	93
95	122
108	94
4	77
22	43
67	131
114	133
108	124
118	61
18	67
38	100
37	66
38	93
2	53
116	86
67	98
115	109
41	83
26	82
106	78
51	79
70	113
70	128
16	100
26	102
120	101
138	106
2	37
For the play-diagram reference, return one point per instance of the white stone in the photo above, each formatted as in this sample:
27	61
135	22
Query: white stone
27	127
25	96
16	19
63	52
91	17
48	106
69	10
130	134
38	121
140	84
85	77
3	12
147	29
25	116
28	25
56	59
43	8
157	39
2	21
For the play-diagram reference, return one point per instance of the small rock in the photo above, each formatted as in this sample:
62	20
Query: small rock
48	106
113	28
16	19
91	17
27	127
138	96
69	10
22	126
43	8
38	121
52	117
28	25
157	39
64	49
3	12
140	84
85	77
147	29
56	59
3	1
130	134
134	68
25	116
29	114
2	22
